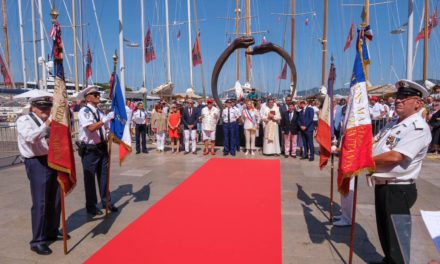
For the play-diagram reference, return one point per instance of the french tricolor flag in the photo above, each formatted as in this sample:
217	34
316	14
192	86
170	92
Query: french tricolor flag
119	129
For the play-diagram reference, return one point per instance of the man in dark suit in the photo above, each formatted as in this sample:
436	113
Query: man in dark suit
289	128
189	119
307	127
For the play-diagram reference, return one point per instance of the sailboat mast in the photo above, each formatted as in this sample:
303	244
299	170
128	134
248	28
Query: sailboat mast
425	49
144	77
121	48
189	45
43	51
200	49
23	62
81	36
237	34
34	38
409	50
324	43
292	35
248	33
292	47
5	33
75	51
168	42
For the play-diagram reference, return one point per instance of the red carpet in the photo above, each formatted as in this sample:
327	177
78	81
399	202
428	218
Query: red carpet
228	211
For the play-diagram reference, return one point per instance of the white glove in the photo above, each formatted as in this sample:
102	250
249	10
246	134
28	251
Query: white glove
333	149
108	117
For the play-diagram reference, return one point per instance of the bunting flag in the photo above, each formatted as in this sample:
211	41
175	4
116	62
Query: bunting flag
324	133
119	127
196	54
356	148
5	73
178	35
60	156
283	74
432	23
350	37
89	64
264	41
306	22
149	48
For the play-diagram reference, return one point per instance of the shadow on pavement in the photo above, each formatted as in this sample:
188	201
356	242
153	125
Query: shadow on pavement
319	231
80	217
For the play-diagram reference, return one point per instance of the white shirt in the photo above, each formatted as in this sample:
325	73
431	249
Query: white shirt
376	111
411	137
139	117
233	114
86	118
129	114
31	137
210	118
316	111
251	118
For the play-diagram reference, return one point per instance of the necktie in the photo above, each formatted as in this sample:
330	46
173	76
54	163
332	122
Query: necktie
229	115
101	136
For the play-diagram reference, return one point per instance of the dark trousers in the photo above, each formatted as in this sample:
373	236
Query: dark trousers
392	199
237	136
308	145
46	205
95	162
229	137
141	131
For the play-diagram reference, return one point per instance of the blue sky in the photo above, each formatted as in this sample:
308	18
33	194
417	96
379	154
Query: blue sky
387	51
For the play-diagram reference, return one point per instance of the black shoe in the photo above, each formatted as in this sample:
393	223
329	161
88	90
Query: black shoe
225	154
286	156
233	154
186	153
145	151
311	159
294	156
194	152
94	212
113	208
137	152
59	236
303	158
41	249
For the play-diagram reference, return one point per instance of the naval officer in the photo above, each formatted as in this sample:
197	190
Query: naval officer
92	122
33	133
398	151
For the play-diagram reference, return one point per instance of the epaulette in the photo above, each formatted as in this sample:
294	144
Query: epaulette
418	125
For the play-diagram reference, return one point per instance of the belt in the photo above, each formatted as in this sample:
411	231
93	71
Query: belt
37	157
393	182
232	122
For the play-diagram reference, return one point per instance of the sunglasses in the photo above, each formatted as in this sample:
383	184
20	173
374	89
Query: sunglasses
95	94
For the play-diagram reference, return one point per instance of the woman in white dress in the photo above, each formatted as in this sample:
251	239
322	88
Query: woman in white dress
251	121
271	117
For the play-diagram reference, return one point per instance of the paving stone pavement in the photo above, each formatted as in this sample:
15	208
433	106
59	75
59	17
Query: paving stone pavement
307	234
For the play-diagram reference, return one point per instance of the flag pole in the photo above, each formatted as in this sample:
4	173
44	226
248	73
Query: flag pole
63	220
54	14
107	190
334	141
353	221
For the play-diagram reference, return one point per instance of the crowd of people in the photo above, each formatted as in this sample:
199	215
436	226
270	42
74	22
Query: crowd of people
248	125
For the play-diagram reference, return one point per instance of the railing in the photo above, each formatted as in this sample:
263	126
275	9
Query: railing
9	154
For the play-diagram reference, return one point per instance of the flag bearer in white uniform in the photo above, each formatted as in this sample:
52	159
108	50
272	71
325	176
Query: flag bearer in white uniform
398	151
